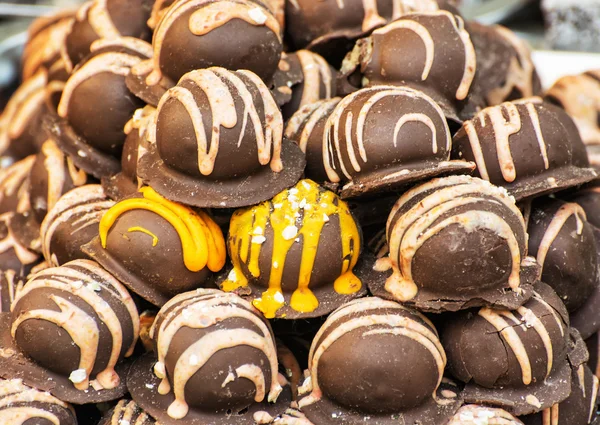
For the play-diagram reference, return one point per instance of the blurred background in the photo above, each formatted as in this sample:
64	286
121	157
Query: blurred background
550	26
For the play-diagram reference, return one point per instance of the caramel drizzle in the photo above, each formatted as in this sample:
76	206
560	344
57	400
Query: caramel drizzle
459	26
520	72
87	337
54	163
199	310
316	73
404	7
477	415
559	220
136	45
21	107
208	17
11	288
310	117
24	255
13	180
332	145
112	62
503	130
595	385
213	82
158	10
550	416
416	226
362	314
202	240
44	46
128	412
300	212
87	203
141	120
13	392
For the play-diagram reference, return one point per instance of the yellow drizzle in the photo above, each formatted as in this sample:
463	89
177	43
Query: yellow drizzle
146	231
297	215
202	241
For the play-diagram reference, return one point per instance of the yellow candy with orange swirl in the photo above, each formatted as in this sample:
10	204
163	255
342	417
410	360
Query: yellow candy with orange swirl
296	253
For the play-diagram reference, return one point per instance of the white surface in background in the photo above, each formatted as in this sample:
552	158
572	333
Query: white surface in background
553	65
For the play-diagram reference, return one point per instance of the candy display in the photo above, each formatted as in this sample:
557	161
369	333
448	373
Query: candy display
299	212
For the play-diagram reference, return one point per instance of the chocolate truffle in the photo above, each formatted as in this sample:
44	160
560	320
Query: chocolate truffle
432	52
98	125
564	245
294	255
14	186
52	175
46	38
22	405
15	254
473	414
301	79
76	322
375	140
198	34
21	132
158	248
104	19
73	222
505	70
529	147
126	182
127	412
579	96
512	359
378	359
216	362
456	242
579	409
217	142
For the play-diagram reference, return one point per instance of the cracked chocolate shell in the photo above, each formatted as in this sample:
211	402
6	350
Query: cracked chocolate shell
377	359
69	331
156	247
72	223
513	359
564	245
378	139
579	408
91	133
104	19
529	147
432	52
218	142
21	404
215	362
454	243
294	255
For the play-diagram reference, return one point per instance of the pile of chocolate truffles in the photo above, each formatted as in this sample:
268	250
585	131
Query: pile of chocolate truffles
296	212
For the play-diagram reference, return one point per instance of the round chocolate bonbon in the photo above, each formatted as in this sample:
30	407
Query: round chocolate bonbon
513	359
457	242
22	405
77	322
72	223
217	142
157	247
295	254
564	245
201	34
396	364
529	147
376	139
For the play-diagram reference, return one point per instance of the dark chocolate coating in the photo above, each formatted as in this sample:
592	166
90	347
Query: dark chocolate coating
52	175
72	223
15	253
505	70
10	282
127	17
566	250
14	186
589	199
24	405
127	410
236	44
64	292
539	151
479	353
579	408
